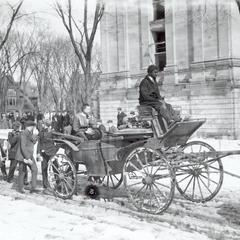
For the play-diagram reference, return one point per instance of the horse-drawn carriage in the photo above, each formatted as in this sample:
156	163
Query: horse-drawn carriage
150	162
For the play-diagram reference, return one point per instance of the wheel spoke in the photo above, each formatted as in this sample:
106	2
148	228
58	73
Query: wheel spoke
55	168
150	198
163	185
134	184
208	179
137	169
185	178
146	159
159	205
116	177
188	185
142	166
71	187
68	173
193	188
144	194
205	185
210	172
107	180
181	174
139	190
103	179
157	170
160	191
200	189
111	180
153	160
71	179
66	189
218	169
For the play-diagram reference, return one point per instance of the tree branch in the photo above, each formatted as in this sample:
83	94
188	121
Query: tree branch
13	18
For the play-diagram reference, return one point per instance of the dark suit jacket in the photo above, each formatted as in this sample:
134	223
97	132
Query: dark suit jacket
148	91
13	138
120	118
25	146
46	144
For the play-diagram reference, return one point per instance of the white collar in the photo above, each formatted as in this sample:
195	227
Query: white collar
151	78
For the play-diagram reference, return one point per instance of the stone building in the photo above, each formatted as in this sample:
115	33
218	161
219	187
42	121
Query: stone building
196	45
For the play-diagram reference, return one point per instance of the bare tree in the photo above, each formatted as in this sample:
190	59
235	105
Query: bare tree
82	34
4	79
14	16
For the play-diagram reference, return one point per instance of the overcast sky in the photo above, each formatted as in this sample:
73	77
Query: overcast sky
44	9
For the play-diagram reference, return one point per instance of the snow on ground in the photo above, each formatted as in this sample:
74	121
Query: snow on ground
38	216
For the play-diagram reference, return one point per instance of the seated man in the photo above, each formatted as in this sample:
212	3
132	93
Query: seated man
149	95
84	123
125	124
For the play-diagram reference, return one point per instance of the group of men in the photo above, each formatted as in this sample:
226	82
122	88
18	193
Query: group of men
84	126
21	154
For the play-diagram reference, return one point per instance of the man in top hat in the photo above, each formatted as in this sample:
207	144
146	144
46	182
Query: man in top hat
149	95
25	156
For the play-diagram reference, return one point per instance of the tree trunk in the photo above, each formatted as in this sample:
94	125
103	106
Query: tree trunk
3	93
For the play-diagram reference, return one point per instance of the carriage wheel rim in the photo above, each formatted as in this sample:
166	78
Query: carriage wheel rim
153	200
62	176
198	182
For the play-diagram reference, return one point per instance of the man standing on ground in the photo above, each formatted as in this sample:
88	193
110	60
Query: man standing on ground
25	157
13	138
47	150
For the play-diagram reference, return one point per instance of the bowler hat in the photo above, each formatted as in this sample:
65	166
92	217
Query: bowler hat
29	123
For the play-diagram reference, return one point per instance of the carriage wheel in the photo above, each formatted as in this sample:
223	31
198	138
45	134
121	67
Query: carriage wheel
62	176
112	180
201	180
149	180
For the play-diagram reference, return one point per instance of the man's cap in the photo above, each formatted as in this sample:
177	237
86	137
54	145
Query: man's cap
29	123
151	68
119	108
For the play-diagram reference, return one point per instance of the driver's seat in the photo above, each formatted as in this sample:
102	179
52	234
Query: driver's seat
148	113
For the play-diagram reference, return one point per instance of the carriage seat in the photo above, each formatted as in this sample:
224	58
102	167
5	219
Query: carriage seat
148	113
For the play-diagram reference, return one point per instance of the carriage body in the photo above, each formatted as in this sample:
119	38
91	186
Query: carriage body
107	155
145	159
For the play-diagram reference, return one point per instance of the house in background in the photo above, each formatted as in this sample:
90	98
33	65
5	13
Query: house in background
21	101
194	43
